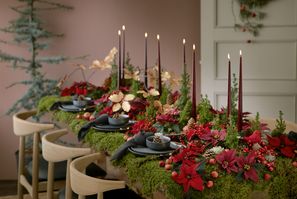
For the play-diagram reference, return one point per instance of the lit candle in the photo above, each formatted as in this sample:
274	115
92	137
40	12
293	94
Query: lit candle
124	47
239	116
229	87
194	85
120	61
184	51
159	66
145	62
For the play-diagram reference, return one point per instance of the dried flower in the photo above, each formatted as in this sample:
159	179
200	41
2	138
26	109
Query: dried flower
107	62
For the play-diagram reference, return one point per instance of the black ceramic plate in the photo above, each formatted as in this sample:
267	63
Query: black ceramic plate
72	108
111	128
143	151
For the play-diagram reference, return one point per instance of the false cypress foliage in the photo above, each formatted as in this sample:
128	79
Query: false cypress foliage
28	31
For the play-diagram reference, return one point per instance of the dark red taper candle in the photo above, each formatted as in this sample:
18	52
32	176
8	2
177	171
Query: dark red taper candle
124	52
120	61
159	67
193	114
229	87
239	116
145	62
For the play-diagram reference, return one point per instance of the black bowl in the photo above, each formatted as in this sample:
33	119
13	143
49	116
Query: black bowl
82	102
121	120
164	145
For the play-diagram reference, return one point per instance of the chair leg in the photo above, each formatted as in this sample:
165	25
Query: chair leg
21	166
100	195
35	168
50	180
68	190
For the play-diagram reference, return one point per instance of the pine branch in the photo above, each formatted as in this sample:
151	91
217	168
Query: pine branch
57	5
25	82
10	58
52	60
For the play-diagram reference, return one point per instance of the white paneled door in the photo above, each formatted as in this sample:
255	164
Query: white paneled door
269	61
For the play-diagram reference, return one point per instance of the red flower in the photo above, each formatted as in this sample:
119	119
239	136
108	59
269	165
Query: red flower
254	138
227	160
246	165
107	110
188	155
189	177
163	118
196	131
214	136
284	144
142	125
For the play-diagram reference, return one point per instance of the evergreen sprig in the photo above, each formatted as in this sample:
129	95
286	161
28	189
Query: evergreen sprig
28	30
280	125
184	90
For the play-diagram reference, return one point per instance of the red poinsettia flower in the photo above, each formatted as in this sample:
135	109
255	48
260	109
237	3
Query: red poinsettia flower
227	160
246	165
164	118
254	138
107	110
142	125
197	131
188	177
214	136
284	144
187	155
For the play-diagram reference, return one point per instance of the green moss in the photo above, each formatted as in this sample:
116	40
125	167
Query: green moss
46	102
146	170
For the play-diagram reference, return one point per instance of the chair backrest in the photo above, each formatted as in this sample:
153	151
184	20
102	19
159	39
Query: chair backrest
86	185
55	152
22	127
290	126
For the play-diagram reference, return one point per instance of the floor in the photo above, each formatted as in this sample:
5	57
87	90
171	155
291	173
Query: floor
8	187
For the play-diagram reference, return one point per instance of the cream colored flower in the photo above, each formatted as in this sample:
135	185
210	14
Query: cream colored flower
132	74
121	101
107	62
152	92
165	76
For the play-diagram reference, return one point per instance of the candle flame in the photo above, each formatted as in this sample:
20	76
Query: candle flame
158	37
194	47
145	34
119	32
184	41
228	56
124	27
240	53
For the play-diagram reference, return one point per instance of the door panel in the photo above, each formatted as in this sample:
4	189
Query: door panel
269	61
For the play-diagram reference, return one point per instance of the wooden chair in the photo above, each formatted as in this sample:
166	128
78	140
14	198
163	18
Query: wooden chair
23	128
290	126
85	185
53	153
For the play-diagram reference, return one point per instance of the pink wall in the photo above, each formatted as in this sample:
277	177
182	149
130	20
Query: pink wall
91	29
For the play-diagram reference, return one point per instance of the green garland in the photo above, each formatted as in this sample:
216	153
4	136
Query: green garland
250	15
146	170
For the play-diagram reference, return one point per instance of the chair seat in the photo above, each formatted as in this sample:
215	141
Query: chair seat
125	193
60	169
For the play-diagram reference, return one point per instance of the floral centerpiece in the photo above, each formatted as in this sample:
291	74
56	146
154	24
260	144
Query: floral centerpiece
213	150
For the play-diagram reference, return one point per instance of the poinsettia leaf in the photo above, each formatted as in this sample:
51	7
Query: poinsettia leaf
239	176
129	97
116	97
176	128
126	106
116	107
201	168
